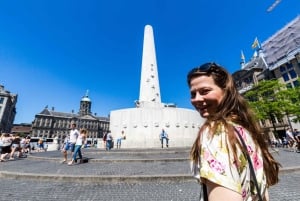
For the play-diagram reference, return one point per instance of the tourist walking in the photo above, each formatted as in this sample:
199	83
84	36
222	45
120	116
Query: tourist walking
80	142
40	145
290	138
15	147
109	141
6	139
220	160
25	145
70	142
104	140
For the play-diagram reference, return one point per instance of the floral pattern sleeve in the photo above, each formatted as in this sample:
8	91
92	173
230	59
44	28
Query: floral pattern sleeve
218	166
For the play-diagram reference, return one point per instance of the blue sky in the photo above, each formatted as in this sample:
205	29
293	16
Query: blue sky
52	51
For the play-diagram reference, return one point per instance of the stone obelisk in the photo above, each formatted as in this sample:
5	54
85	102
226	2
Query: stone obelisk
149	84
143	124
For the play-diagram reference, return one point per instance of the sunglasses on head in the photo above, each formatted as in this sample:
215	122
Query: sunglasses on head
207	67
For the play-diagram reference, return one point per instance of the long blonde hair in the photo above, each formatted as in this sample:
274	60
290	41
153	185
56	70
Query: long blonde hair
234	108
83	132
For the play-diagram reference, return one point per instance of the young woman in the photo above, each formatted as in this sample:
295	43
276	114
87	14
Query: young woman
223	166
15	147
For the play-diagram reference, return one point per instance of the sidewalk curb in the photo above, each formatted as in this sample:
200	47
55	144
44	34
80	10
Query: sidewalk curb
289	169
122	176
98	179
92	160
113	178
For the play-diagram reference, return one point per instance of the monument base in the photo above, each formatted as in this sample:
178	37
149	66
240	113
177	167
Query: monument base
142	126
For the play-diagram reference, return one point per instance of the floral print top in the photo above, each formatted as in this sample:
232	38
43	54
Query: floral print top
218	166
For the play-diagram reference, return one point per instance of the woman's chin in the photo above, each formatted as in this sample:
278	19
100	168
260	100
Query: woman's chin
204	114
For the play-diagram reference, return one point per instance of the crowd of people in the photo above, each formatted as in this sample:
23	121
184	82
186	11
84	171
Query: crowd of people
14	146
291	140
108	140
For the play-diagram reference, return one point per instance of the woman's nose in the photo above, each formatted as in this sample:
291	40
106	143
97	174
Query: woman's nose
198	97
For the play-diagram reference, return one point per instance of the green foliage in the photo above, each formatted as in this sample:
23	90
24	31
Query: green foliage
270	98
263	99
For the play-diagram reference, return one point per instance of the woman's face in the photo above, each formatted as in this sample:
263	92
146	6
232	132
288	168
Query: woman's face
205	95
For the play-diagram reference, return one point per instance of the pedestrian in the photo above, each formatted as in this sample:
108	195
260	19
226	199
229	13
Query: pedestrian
70	142
219	158
120	138
27	144
109	141
290	137
297	137
15	147
80	142
45	146
104	140
6	139
295	132
164	136
40	145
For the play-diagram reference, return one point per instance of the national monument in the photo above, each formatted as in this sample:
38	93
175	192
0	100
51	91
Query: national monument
143	124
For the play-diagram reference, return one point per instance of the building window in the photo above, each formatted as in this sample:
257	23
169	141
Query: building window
285	77
296	83
293	74
289	65
282	69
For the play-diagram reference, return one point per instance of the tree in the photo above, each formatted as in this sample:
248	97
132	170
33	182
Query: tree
294	95
264	100
287	102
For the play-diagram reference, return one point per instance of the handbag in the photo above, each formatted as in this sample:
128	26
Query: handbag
250	164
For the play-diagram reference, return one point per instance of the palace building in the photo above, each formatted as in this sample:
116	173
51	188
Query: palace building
53	124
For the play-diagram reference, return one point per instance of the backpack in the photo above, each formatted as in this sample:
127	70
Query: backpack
104	137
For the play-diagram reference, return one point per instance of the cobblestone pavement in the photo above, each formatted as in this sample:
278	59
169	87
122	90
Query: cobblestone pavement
23	190
155	190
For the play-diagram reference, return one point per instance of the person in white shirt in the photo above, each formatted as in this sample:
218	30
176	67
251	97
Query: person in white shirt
290	137
80	141
70	144
120	138
163	135
109	141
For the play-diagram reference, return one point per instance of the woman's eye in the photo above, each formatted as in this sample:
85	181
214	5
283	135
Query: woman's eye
204	92
193	95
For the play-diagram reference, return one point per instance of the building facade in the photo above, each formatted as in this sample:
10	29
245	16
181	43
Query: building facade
51	124
276	58
8	112
22	130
